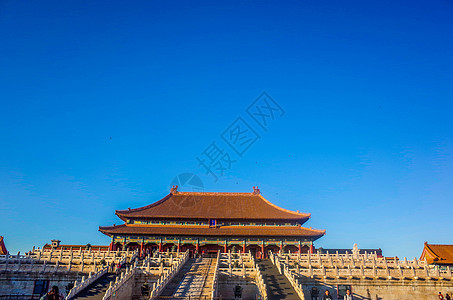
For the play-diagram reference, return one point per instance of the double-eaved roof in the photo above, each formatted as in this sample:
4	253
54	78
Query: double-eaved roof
235	207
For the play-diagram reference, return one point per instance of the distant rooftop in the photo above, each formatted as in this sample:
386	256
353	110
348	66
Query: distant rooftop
437	254
3	250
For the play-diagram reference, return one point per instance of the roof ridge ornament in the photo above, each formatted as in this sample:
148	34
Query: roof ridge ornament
174	190
256	190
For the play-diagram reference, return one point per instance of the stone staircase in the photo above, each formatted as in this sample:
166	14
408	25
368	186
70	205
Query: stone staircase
206	292
278	285
195	280
97	289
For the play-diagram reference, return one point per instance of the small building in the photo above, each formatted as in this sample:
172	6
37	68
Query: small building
204	222
435	254
57	246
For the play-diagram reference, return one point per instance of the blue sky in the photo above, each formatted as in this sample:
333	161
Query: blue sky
103	104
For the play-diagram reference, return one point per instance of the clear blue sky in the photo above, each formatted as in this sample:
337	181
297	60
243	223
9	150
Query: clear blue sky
103	103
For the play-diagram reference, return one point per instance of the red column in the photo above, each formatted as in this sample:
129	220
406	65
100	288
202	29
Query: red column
262	250
312	248
299	247
160	246
141	249
197	249
225	247
111	246
179	246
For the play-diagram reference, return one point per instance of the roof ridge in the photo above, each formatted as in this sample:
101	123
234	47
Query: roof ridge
113	226
217	193
284	209
146	206
431	251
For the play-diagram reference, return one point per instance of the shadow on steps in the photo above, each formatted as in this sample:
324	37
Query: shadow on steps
97	289
278	286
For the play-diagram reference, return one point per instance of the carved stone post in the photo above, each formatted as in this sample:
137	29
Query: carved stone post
44	267
414	273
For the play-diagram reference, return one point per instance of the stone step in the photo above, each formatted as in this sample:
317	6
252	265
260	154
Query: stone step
278	285
97	289
195	279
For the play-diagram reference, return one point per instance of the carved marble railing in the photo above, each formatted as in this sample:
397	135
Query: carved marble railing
160	262
120	281
79	256
259	280
374	268
215	279
237	264
293	279
275	259
13	257
26	264
132	258
84	283
344	260
242	265
45	261
168	275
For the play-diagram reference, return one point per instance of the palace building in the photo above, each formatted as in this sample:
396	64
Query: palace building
204	222
441	255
